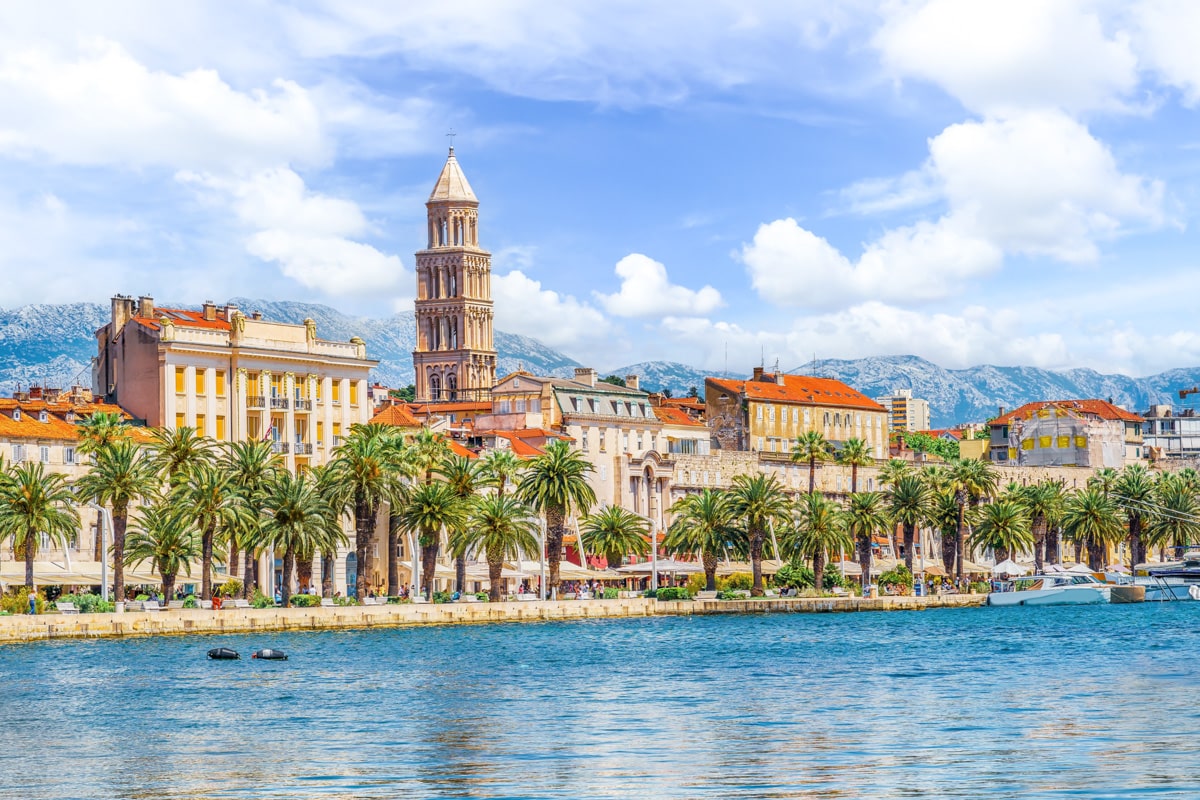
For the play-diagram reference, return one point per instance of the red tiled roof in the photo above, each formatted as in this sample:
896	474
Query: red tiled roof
800	389
183	319
676	416
1097	408
482	406
398	416
940	432
694	403
55	427
459	450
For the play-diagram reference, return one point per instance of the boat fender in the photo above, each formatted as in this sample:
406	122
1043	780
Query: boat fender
270	655
223	654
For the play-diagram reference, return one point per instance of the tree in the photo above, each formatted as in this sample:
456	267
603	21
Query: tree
613	380
856	453
924	443
702	523
555	484
1044	503
866	516
501	527
910	508
1178	519
251	465
614	532
207	492
364	473
429	509
466	476
176	451
943	517
299	522
1133	491
1090	520
33	503
819	529
428	452
973	481
99	430
758	501
502	468
164	536
810	448
120	475
893	470
1004	527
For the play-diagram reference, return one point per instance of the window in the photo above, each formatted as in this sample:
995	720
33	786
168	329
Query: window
180	388
252	381
220	383
180	421
653	442
771	415
200	420
519	404
583	439
796	416
18	452
603	439
826	419
639	441
759	413
44	453
320	433
220	427
574	403
318	384
625	441
503	407
337	434
336	392
68	455
200	375
807	416
16	415
760	443
353	393
603	472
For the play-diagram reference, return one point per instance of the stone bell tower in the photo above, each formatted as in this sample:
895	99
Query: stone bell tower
455	357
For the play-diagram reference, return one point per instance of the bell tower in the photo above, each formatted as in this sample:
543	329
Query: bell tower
455	357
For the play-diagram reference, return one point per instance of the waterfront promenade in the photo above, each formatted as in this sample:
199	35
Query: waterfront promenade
24	628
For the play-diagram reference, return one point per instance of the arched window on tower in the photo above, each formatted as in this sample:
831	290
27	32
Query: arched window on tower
444	239
453	282
435	387
451	386
454	333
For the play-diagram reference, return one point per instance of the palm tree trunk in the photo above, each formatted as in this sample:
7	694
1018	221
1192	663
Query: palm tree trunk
556	528
98	550
819	570
812	475
961	546
495	562
285	589
854	479
1095	555
864	561
327	574
234	557
393	565
120	520
1052	548
909	535
206	556
304	571
1039	544
29	561
429	553
1079	552
949	549
168	585
1135	542
460	573
364	524
710	570
756	548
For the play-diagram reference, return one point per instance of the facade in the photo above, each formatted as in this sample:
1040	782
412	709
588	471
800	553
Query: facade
455	359
1062	433
907	414
767	413
1171	434
233	377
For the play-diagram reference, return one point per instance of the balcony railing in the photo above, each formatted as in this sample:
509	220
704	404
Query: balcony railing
279	402
303	405
303	449
256	401
279	448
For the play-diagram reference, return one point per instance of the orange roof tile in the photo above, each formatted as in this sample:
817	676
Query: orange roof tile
398	416
676	416
482	406
694	403
182	318
1098	408
802	390
459	450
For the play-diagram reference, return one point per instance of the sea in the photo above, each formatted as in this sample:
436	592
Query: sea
1090	702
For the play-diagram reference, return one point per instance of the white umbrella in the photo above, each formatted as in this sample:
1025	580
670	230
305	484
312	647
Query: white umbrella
1009	567
1080	569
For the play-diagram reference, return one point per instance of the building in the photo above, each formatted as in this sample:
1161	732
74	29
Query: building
1171	433
455	359
767	413
906	414
1061	433
233	377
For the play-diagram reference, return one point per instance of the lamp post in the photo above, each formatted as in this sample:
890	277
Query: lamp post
104	514
542	557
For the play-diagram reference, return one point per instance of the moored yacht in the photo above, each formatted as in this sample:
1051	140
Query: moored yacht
1174	580
1058	589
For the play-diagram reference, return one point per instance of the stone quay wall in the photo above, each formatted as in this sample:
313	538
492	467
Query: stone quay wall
24	628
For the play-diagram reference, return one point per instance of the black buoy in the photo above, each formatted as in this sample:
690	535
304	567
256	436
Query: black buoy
270	655
223	654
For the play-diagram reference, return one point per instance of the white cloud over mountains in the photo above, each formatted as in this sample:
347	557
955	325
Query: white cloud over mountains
646	291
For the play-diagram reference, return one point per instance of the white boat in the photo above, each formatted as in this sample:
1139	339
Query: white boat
1059	589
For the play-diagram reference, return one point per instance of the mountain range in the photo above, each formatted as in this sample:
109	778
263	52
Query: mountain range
52	345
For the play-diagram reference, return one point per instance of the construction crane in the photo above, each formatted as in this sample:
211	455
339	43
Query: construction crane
1183	393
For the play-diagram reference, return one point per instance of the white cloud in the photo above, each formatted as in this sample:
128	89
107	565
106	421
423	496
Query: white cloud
314	238
1000	57
558	320
646	291
1166	41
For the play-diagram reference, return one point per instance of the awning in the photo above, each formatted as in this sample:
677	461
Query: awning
769	566
667	565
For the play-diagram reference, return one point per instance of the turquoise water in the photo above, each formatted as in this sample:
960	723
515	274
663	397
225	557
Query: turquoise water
1095	702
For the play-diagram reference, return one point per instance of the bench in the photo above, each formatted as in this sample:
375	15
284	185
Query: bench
770	593
706	595
327	602
174	605
527	597
206	604
151	605
67	608
235	602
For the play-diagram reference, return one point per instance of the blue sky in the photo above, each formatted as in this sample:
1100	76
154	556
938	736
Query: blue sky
972	182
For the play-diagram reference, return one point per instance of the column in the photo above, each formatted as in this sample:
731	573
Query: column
168	384
289	418
238	418
209	401
189	394
364	405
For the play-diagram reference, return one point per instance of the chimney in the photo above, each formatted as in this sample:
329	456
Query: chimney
631	381
778	377
1000	413
226	312
656	399
256	315
210	311
146	306
120	313
585	375
758	374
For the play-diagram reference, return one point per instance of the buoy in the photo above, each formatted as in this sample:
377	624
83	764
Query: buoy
223	654
270	655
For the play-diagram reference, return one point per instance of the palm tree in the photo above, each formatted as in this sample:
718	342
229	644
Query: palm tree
614	532
429	451
33	503
99	430
176	451
1004	527
501	527
555	485
974	480
120	476
166	537
251	466
820	528
298	522
429	509
1133	491
1090	520
893	470
758	501
866	516
208	493
364	473
502	468
1044	502
943	517
811	447
910	507
466	477
856	453
701	523
1178	519
1104	479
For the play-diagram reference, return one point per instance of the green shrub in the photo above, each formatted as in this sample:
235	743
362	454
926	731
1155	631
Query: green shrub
190	601
17	602
88	603
738	580
305	600
482	597
729	594
793	575
674	593
696	582
141	598
979	587
833	578
442	597
230	588
345	601
611	593
651	593
260	600
898	579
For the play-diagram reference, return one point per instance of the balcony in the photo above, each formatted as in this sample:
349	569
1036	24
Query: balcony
303	405
256	401
304	449
279	403
279	448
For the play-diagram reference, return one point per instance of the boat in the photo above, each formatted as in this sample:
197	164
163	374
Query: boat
223	654
1173	581
1058	589
270	655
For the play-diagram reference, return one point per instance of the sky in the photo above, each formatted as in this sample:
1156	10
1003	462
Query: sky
718	183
